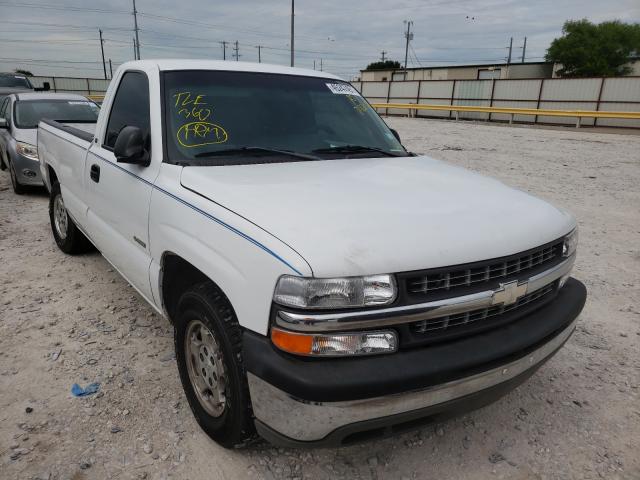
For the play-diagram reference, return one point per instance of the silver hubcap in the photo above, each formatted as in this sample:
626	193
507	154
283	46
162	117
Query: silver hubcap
60	218
206	368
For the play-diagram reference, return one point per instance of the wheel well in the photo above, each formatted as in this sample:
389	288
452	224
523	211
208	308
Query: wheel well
177	276
52	175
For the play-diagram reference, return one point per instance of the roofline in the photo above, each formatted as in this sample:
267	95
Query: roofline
31	95
497	64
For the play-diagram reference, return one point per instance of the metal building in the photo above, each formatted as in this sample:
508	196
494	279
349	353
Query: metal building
500	71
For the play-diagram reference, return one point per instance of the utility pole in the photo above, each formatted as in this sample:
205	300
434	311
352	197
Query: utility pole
259	47
383	54
110	69
510	48
321	65
224	49
409	37
135	55
524	49
314	64
235	50
135	25
292	23
104	65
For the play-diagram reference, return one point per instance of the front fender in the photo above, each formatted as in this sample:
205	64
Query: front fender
242	259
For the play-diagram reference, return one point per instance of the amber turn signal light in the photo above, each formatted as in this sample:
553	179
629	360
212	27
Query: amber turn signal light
335	345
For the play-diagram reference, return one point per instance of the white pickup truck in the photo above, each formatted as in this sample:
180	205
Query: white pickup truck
325	285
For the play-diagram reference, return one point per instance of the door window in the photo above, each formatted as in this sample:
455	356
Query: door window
130	107
3	107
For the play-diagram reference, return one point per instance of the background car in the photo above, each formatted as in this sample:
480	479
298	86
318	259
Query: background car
20	114
15	83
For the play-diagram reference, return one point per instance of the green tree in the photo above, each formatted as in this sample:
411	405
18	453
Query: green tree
589	50
23	72
386	65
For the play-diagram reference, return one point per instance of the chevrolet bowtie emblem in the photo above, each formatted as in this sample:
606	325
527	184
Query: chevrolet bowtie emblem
509	293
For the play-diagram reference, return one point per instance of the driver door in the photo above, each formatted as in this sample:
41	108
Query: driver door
118	194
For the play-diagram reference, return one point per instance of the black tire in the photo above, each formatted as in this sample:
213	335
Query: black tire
3	166
205	304
18	188
70	240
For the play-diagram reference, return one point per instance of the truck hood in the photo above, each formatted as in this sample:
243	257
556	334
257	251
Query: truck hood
383	215
30	135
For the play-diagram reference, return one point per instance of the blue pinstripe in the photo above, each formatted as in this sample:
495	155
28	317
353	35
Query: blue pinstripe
202	212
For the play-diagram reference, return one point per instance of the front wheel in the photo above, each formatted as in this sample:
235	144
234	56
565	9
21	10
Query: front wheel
68	238
208	343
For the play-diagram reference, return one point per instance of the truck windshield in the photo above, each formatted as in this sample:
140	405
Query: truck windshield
212	116
14	81
30	112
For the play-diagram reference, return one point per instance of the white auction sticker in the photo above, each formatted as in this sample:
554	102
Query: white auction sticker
78	102
342	89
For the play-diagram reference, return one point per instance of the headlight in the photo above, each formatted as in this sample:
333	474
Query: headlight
27	150
570	243
335	345
345	292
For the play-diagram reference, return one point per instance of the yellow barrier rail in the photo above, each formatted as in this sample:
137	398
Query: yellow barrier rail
95	98
579	114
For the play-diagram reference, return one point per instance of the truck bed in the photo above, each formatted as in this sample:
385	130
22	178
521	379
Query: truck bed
84	131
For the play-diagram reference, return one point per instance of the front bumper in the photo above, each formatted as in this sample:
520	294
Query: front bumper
27	170
305	402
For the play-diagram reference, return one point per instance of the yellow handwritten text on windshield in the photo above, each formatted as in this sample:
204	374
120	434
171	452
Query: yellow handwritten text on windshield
358	104
197	134
197	131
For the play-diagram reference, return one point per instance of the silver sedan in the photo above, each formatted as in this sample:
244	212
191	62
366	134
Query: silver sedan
20	114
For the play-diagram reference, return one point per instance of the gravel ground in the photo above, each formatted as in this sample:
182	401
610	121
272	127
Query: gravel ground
73	319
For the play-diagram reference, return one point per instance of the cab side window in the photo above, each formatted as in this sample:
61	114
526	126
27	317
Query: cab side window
130	107
3	108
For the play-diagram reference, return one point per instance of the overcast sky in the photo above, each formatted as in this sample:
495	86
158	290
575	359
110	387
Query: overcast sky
61	37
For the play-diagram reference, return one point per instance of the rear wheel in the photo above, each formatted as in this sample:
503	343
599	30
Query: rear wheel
18	188
68	238
208	343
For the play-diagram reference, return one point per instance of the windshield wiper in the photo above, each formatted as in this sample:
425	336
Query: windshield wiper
354	149
259	150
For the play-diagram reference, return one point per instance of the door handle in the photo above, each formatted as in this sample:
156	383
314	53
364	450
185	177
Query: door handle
95	173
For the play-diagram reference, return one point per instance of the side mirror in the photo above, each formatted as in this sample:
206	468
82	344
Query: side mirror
396	134
46	86
130	147
3	123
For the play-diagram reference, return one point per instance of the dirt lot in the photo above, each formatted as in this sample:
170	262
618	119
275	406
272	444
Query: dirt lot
73	319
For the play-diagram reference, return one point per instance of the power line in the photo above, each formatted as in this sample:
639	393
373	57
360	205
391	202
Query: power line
210	25
48	6
414	55
59	40
33	60
66	67
62	25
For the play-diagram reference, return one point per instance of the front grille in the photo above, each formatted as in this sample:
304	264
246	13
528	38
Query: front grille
451	281
461	319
